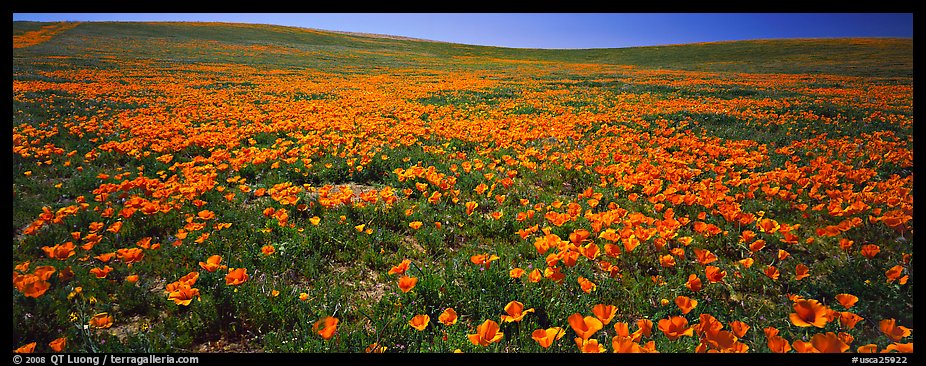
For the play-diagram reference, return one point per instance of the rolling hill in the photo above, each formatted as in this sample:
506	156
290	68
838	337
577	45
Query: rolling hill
298	47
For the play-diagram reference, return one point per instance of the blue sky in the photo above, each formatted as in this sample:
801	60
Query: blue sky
556	30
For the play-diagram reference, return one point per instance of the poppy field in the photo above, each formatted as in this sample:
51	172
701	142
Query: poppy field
208	187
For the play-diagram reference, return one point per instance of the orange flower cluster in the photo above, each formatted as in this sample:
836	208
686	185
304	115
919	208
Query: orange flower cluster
41	35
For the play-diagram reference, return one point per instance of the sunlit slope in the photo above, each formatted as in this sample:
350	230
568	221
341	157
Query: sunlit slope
298	47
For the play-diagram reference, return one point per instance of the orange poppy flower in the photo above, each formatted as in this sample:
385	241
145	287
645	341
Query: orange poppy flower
578	236
407	283
685	240
612	250
644	328
58	345
483	259
623	330
546	337
470	207
515	273
516	312
44	272
105	257
130	255
486	333
268	250
590	345
131	278
828	343
768	226
809	313
674	327
868	348
739	328
212	263
848	319
624	344
206	215
30	285
870	250
183	294
801	272
685	303
435	198
630	243
144	243
570	258
757	245
448	317
894	273
610	268
893	331
535	276
315	220
804	347
746	262
60	251
667	260
188	279
705	256
415	225
693	283
236	276
303	296
419	322
847	300
115	227
101	321
708	327
587	285
770	331
778	344
723	341
326	327
772	272
899	347
590	251
845	244
400	268
605	313
22	267
584	327
714	274
28	348
101	272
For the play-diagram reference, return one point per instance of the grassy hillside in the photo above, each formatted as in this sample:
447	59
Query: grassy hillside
857	57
